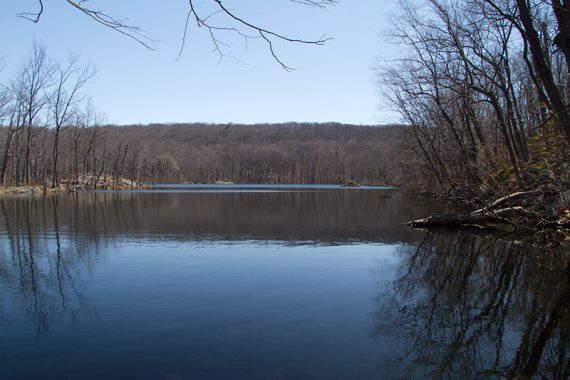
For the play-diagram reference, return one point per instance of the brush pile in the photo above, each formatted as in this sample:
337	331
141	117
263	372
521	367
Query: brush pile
521	211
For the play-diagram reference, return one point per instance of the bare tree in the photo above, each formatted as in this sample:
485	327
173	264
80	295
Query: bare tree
542	25
469	89
66	100
30	89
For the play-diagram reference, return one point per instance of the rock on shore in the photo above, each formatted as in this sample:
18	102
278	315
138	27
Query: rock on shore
85	182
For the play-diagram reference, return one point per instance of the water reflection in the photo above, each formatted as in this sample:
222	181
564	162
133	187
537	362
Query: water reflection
41	275
283	284
330	217
471	308
49	246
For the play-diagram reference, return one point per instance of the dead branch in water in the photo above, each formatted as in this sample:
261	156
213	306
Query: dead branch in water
536	209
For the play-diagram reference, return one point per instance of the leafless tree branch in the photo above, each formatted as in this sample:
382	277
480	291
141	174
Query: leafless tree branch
234	24
33	16
134	32
247	30
118	25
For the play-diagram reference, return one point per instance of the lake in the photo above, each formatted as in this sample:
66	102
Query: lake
269	282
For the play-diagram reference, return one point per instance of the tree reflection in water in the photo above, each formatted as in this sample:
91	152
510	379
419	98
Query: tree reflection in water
50	245
465	307
41	271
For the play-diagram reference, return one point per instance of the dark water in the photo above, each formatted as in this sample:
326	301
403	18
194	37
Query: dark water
298	284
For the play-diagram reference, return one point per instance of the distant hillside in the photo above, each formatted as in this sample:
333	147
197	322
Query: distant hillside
262	153
204	153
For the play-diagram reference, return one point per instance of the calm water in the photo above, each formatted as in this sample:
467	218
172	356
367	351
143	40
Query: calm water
268	283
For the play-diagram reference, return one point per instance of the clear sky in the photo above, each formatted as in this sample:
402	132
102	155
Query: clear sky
335	82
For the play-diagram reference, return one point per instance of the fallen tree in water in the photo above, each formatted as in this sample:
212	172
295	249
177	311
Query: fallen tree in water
520	211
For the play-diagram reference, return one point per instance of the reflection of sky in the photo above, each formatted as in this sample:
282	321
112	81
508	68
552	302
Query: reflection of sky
336	82
159	286
214	310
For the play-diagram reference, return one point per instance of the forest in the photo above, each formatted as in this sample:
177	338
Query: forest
484	87
263	153
51	136
88	154
481	88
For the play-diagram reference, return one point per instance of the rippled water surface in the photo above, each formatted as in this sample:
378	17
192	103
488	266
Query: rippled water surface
268	282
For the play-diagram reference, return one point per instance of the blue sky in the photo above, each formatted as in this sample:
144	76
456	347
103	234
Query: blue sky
336	81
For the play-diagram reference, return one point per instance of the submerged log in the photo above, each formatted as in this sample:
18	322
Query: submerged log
452	221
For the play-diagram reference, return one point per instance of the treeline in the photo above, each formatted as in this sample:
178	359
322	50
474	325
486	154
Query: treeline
50	135
44	114
264	153
484	86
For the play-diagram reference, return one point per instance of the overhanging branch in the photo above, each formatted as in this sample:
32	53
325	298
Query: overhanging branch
234	24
